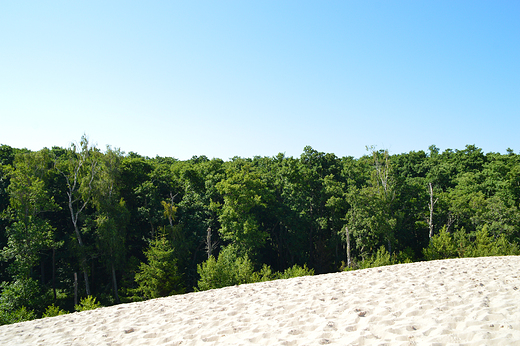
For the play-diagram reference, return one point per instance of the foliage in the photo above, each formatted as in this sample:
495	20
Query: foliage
87	303
295	271
487	245
18	300
146	227
79	168
371	216
159	276
21	292
244	200
29	233
227	270
441	246
381	258
444	245
18	315
265	274
53	310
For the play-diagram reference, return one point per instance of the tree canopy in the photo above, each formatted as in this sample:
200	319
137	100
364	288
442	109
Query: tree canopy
135	227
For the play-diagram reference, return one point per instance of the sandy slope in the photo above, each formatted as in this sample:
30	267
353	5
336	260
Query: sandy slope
472	301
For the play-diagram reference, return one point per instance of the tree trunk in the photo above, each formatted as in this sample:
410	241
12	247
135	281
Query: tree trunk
114	284
42	267
73	178
349	261
431	204
83	258
209	245
75	289
85	275
54	273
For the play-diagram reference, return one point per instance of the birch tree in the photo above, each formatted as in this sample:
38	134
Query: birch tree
370	217
430	207
79	168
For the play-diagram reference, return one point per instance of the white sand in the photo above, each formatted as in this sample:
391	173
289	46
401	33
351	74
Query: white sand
472	301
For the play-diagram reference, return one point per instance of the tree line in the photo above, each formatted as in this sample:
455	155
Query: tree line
79	224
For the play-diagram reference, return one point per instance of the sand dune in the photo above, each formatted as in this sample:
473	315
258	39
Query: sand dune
471	301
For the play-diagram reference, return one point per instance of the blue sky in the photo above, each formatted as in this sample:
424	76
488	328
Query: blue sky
247	78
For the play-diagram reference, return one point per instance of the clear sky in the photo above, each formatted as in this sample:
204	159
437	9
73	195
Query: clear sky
247	78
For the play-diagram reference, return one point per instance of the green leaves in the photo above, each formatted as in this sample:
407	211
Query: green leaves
18	300
295	271
85	304
53	310
461	244
158	277
245	198
267	213
441	246
29	233
228	270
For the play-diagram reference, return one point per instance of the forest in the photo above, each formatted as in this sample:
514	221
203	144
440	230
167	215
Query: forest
82	227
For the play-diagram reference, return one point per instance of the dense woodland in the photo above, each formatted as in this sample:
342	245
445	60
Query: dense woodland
100	226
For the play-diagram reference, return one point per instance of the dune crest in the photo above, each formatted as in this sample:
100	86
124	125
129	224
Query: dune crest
470	301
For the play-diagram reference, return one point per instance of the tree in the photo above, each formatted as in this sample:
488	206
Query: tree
148	205
18	300
370	217
134	172
79	167
430	207
7	155
441	246
29	233
159	276
198	204
444	245
313	215
245	199
228	270
347	240
112	215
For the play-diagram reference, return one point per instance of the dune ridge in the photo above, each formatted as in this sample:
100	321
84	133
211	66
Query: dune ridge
469	301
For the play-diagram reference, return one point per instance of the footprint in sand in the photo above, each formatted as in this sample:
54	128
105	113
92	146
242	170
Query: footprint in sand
331	326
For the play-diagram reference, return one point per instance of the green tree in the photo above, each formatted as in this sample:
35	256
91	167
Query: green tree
7	155
461	244
87	303
310	216
79	167
148	206
111	214
29	232
228	270
19	299
245	200
441	246
53	310
198	204
370	217
294	271
159	277
487	245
